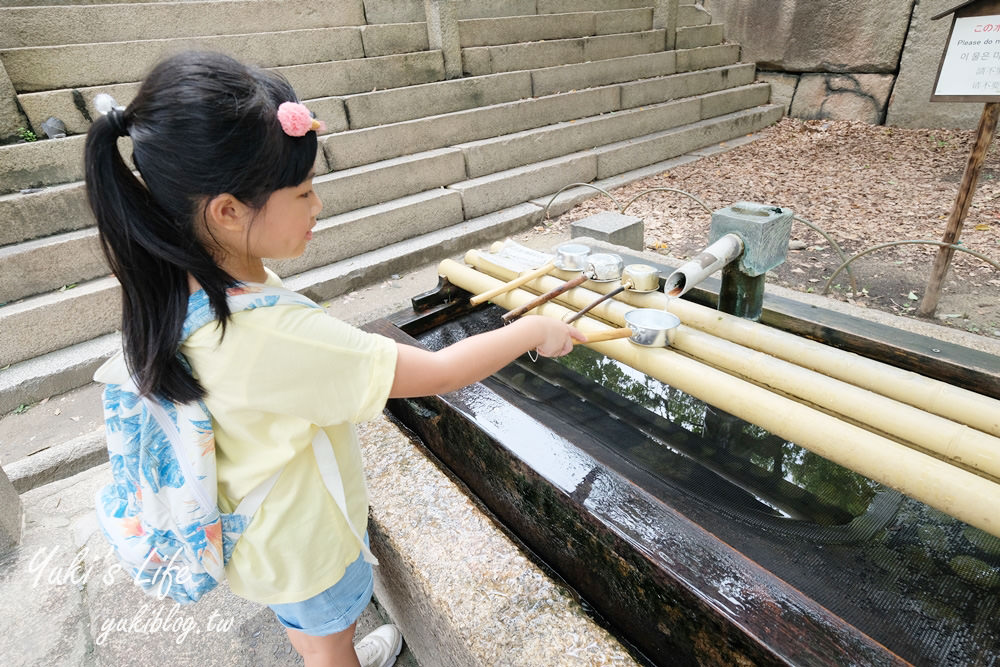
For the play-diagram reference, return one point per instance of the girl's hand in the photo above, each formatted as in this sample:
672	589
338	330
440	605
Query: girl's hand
557	336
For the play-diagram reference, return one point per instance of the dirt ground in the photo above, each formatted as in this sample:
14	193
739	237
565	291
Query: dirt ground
864	186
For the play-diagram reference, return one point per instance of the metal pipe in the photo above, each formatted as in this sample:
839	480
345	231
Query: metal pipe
704	264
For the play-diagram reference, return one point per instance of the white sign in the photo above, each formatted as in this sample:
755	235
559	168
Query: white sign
972	60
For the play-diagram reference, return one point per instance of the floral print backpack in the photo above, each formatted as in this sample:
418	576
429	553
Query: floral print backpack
160	512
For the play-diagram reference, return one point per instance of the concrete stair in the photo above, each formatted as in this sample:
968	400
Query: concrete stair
413	167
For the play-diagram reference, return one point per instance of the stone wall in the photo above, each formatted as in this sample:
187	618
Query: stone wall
848	59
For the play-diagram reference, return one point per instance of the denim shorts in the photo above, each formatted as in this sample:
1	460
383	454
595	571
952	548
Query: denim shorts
336	608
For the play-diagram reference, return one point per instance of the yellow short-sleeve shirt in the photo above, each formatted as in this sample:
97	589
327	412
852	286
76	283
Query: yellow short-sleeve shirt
279	373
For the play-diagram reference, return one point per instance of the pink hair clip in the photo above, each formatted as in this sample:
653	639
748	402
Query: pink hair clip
296	119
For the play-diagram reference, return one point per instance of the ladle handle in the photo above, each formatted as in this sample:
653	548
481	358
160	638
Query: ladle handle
512	284
548	296
610	334
580	313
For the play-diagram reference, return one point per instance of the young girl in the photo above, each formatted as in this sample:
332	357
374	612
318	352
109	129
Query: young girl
225	153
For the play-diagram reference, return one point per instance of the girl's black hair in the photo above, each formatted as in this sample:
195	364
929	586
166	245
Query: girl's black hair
202	124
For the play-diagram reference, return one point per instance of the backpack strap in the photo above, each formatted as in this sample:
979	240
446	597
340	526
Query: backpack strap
329	470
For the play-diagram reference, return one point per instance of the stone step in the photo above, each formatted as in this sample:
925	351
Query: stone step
480	60
310	80
39	68
533	28
26	215
37	325
405	11
69	24
703	35
692	15
46	264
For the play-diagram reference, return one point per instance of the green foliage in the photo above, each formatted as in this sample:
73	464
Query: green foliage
26	135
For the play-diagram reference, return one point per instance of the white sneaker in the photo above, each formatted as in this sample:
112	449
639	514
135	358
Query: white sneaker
380	647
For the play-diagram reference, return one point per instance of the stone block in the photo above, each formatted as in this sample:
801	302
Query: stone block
497	191
73	24
566	6
734	99
476	61
74	107
361	75
384	40
383	181
918	65
519	29
690	15
622	21
11	514
41	163
514	150
390	106
11	117
687	84
705	57
74	65
515	57
349	149
843	97
611	227
54	373
602	72
42	265
764	229
394	11
697	36
782	87
604	47
363	230
52	210
804	36
56	320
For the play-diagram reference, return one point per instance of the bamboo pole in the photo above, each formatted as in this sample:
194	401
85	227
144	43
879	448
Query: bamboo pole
938	436
984	135
939	398
960	493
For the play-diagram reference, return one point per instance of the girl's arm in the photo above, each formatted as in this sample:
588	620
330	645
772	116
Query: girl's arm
421	372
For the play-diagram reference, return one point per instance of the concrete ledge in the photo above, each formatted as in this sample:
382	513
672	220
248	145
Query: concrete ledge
391	106
384	40
56	320
627	155
46	264
707	57
563	78
703	35
24	26
69	66
379	182
651	91
358	75
497	191
349	149
513	150
463	593
41	163
51	210
54	373
59	462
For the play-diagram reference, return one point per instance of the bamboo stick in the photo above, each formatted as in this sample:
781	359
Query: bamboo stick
939	398
952	490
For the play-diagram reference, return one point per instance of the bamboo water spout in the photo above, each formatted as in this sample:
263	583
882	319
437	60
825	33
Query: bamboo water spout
964	495
704	264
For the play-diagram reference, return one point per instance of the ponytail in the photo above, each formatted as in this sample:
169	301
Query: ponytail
185	154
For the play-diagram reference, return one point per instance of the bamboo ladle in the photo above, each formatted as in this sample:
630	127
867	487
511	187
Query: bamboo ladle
512	284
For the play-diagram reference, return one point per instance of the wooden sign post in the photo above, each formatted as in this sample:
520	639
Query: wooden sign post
969	72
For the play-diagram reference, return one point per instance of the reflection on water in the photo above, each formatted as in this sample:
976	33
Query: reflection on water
771	468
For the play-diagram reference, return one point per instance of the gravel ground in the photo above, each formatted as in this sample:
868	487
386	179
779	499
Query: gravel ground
864	185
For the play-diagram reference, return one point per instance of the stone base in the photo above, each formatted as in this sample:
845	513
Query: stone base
611	227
